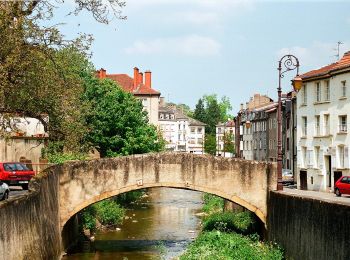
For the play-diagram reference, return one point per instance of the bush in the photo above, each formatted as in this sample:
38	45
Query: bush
242	223
212	203
108	212
217	245
129	197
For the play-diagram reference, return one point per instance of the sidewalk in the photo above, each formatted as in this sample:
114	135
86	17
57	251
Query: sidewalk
324	196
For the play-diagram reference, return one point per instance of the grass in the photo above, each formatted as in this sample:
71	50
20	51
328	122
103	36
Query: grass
216	245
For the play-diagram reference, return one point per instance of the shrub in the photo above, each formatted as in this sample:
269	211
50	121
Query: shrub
243	222
109	212
212	203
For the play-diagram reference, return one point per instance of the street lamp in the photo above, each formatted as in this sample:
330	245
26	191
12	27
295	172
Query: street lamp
286	63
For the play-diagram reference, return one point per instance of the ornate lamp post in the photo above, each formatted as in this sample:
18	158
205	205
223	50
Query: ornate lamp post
286	63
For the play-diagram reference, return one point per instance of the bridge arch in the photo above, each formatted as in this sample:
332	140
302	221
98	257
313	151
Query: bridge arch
246	183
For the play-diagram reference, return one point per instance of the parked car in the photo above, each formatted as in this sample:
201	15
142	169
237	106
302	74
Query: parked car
342	186
4	190
287	177
16	173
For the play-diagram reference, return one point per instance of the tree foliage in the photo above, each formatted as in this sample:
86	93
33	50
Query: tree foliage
211	111
40	69
116	121
210	144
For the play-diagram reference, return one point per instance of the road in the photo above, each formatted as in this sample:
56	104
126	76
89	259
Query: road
16	191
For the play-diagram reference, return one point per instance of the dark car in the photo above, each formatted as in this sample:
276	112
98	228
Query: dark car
16	173
342	186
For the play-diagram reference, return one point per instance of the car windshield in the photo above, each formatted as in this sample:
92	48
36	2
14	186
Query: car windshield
15	167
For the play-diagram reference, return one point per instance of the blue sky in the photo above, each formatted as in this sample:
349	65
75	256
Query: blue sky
226	47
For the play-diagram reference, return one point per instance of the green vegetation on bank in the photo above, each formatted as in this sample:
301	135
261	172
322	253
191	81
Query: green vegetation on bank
219	245
229	235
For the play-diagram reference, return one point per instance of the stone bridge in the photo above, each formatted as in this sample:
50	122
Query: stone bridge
43	223
246	183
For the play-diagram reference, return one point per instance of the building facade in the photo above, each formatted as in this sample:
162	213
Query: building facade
322	126
141	87
225	131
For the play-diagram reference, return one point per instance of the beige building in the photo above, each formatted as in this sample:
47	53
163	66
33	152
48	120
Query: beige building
323	140
141	87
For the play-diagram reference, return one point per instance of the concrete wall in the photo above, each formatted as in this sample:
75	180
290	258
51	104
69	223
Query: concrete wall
308	228
17	147
29	226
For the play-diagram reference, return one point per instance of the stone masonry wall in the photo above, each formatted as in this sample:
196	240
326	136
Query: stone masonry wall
29	226
308	228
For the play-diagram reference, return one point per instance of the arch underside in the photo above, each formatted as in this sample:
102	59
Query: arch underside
109	194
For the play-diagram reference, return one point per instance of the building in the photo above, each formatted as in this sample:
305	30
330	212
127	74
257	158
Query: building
168	125
141	87
322	126
225	131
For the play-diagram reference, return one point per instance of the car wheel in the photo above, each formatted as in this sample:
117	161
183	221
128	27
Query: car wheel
337	192
6	196
25	186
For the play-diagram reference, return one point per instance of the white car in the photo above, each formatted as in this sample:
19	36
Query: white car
4	191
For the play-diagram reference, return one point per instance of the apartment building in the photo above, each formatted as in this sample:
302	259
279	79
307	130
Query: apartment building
323	109
225	131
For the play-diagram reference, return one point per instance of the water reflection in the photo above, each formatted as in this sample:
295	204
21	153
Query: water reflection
165	221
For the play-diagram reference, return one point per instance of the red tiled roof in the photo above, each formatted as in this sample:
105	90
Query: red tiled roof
326	70
127	83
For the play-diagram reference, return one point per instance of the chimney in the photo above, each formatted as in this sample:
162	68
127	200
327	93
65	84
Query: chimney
136	76
162	101
148	79
101	73
140	78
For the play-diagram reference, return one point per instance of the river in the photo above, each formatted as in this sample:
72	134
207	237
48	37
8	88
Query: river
160	226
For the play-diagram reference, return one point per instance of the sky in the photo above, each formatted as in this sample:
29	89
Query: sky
223	47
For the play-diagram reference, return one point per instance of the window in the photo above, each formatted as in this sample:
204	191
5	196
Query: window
341	156
342	124
317	125
192	130
287	144
166	116
327	91
318	92
161	116
199	130
304	126
326	124
343	88
317	156
304	95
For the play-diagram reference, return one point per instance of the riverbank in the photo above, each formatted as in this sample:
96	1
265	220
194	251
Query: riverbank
229	235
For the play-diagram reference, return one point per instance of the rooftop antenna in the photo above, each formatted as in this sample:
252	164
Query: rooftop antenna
337	50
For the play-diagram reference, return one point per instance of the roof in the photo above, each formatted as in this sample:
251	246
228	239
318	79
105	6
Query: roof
127	84
192	122
230	123
343	63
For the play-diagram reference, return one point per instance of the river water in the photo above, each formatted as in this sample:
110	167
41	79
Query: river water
159	227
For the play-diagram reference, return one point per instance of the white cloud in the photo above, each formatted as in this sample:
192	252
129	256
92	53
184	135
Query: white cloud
192	45
317	55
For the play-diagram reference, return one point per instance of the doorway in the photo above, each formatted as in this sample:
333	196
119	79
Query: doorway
328	165
303	180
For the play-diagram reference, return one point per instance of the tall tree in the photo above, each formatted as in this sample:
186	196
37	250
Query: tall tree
199	112
213	116
210	144
116	121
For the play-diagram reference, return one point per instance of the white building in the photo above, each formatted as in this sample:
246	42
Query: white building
181	133
223	130
323	141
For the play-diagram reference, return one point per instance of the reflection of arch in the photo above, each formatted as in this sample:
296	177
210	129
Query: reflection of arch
110	194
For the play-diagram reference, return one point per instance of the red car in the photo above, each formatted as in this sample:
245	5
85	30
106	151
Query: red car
342	186
16	173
